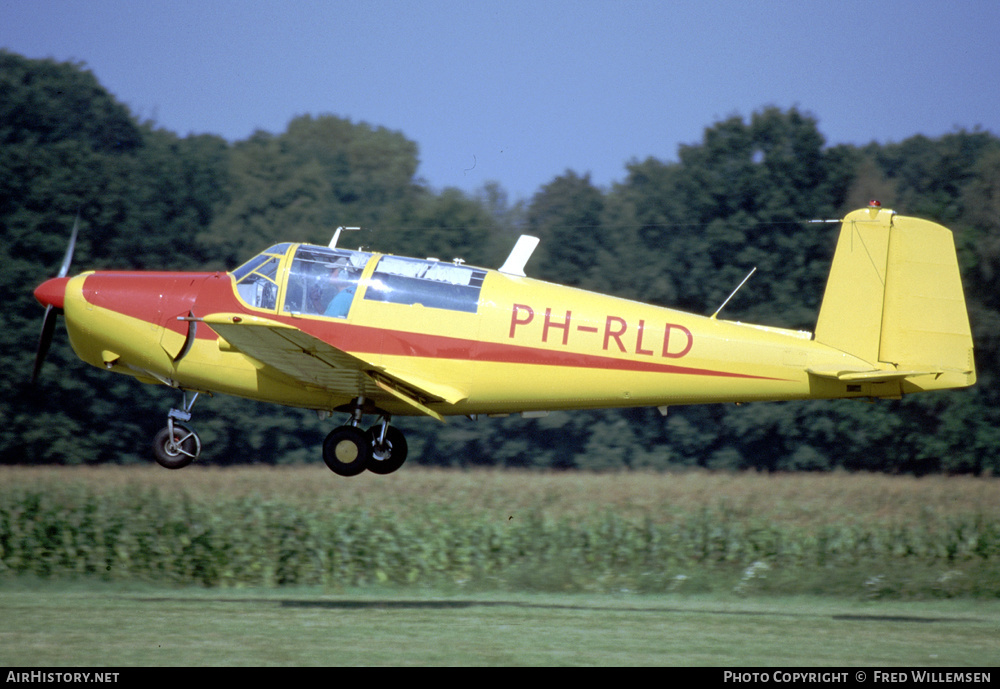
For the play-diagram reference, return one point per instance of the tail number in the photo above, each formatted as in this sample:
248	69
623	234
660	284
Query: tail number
617	334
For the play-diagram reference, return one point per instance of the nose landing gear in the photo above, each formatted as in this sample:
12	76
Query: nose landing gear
176	446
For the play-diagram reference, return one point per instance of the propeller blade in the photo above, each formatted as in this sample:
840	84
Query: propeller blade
44	340
64	270
51	312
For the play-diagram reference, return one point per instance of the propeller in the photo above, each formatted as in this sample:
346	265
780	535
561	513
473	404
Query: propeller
51	293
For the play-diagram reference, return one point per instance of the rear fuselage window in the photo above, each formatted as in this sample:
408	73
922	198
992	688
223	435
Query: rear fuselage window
433	284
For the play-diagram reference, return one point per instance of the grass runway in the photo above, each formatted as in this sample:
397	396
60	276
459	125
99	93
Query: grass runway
98	625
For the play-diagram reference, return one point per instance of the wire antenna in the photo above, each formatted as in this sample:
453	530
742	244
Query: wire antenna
733	293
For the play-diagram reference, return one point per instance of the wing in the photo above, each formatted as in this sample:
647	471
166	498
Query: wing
313	362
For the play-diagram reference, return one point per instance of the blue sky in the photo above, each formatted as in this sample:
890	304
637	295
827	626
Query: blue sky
518	92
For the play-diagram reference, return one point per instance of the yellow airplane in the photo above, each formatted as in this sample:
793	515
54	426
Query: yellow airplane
358	332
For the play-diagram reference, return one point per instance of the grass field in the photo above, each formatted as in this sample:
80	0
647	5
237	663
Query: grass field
114	626
294	566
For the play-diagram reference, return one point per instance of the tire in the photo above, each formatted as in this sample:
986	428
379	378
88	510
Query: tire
179	451
347	451
389	456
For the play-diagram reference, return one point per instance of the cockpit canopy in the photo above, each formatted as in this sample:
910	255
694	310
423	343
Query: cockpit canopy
322	281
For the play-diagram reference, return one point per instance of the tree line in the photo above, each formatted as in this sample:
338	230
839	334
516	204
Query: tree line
678	233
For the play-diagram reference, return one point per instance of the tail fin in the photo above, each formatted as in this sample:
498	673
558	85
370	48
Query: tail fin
894	298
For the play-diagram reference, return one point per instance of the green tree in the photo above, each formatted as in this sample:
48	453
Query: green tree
447	226
566	214
299	186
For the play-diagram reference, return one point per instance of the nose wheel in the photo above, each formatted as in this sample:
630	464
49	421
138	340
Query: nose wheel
176	446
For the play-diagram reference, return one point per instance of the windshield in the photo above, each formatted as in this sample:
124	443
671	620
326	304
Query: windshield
257	279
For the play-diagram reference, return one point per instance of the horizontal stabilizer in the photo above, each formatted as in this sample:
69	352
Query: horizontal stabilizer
873	376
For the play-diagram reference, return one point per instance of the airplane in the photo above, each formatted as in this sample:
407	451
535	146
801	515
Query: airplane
365	333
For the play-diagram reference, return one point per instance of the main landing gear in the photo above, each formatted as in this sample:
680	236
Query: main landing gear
348	450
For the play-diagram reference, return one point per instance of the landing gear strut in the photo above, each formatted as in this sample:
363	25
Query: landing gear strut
176	446
388	447
348	450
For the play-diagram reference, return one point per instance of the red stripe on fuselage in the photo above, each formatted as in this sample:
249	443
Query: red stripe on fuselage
159	298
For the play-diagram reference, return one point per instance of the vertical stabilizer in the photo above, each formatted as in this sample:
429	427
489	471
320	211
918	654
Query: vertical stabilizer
894	298
850	318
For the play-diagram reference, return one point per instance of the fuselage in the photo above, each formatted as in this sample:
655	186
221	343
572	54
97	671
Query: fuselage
505	343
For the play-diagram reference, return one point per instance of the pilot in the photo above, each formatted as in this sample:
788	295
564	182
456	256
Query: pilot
345	282
316	288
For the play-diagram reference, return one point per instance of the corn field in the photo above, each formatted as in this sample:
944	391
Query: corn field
867	536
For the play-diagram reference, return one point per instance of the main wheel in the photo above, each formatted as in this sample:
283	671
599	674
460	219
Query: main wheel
347	451
177	451
390	454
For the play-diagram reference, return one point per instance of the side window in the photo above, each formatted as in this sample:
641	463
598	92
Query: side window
322	282
433	284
